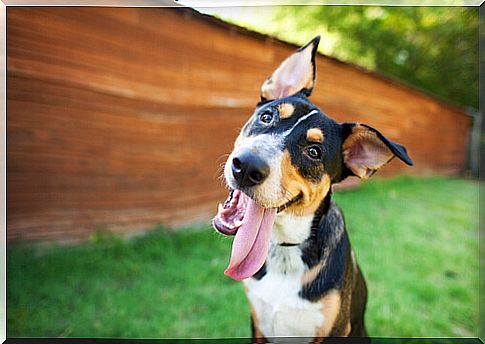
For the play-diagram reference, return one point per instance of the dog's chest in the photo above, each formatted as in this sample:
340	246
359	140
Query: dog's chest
279	309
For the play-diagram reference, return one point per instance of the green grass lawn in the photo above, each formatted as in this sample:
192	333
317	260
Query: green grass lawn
415	239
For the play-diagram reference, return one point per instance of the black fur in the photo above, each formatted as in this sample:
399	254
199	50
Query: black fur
261	272
331	275
312	251
323	245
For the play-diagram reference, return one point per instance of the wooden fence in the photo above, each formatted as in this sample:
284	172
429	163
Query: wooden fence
119	118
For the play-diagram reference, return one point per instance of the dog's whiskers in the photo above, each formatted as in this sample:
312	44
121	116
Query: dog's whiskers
223	156
219	173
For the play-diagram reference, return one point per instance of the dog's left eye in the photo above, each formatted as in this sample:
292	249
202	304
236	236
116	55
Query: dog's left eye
266	117
313	152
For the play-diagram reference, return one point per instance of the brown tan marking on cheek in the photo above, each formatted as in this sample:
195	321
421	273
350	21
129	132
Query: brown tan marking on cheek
330	310
291	180
294	183
314	135
286	110
315	193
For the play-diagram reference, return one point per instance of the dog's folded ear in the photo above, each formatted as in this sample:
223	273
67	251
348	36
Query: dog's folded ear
295	74
365	150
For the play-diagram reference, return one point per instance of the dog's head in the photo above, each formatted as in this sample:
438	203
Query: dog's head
286	158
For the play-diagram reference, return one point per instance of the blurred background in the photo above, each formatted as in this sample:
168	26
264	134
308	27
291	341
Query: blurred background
118	124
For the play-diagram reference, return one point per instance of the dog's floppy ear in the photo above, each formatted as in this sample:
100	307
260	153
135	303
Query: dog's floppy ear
295	74
365	150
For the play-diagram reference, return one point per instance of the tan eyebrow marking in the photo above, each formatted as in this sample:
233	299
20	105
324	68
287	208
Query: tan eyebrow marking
286	110
314	135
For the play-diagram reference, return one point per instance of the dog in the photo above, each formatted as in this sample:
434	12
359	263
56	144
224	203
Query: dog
291	248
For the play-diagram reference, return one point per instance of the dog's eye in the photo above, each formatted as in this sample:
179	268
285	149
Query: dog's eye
313	152
266	117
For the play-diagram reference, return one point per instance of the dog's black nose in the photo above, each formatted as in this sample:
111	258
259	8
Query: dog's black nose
249	169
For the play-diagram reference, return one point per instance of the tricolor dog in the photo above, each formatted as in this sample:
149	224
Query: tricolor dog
291	248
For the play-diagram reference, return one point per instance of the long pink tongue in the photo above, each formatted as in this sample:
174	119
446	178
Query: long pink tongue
250	246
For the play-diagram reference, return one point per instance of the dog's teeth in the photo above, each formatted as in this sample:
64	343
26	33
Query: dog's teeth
228	225
238	223
220	208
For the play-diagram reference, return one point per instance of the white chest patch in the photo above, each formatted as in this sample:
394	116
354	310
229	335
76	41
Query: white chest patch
280	311
291	229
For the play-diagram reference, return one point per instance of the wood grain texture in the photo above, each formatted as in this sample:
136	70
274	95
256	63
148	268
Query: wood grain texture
119	118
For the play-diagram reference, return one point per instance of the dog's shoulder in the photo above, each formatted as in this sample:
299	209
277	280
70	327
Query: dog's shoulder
328	230
328	281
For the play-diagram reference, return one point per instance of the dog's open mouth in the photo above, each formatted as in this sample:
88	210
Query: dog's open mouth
251	224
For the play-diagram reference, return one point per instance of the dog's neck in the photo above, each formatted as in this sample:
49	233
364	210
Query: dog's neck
301	242
293	230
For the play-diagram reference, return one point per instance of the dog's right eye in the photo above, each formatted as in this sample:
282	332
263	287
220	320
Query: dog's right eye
313	152
266	117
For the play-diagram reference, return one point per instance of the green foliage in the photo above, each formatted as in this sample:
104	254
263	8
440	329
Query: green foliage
432	48
415	239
